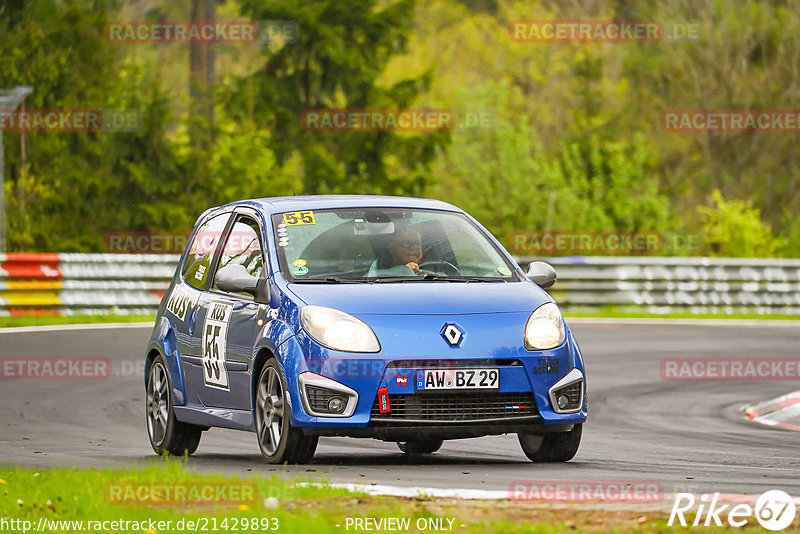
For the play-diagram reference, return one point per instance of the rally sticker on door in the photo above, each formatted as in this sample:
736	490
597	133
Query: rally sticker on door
178	303
215	338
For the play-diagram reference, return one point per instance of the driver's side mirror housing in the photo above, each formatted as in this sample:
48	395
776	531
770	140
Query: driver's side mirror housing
235	279
542	274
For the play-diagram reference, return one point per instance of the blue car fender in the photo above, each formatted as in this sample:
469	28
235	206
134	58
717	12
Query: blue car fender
542	393
163	341
292	361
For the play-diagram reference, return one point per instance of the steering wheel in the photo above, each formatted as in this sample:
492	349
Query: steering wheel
442	266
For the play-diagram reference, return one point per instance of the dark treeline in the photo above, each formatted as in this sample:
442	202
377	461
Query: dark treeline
548	136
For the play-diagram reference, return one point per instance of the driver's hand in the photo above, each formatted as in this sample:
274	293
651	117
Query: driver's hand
413	266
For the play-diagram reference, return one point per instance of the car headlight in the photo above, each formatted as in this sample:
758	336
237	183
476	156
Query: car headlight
545	328
338	330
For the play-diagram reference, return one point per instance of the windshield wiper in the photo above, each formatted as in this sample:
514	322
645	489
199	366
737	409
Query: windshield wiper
433	277
330	280
399	279
439	277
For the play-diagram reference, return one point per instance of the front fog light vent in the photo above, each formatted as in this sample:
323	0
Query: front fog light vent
325	397
566	395
569	398
325	401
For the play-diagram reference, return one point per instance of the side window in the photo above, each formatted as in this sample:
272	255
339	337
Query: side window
243	247
198	260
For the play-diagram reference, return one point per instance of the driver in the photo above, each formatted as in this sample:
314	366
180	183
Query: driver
405	248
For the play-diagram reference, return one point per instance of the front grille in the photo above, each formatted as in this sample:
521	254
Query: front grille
458	406
573	392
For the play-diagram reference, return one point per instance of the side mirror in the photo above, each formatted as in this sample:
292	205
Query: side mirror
542	274
235	279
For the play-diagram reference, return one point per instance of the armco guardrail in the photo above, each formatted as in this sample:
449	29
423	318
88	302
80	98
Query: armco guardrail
673	285
76	284
83	284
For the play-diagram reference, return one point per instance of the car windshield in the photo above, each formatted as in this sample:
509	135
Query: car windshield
386	245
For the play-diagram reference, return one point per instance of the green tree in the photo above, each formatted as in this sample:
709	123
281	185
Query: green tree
734	228
745	57
505	177
76	186
336	61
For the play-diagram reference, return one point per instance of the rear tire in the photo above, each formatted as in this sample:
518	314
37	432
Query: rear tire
278	440
420	446
167	434
551	446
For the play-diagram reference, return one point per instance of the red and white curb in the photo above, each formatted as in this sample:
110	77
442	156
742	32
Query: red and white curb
783	412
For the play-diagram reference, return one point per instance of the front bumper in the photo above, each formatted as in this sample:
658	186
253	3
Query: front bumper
407	432
522	403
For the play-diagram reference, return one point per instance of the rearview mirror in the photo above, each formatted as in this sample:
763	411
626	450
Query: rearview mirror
235	279
365	227
542	274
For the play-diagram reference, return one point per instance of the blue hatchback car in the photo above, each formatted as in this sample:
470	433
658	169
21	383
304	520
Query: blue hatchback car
393	318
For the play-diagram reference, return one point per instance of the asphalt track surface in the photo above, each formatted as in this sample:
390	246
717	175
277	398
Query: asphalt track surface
689	436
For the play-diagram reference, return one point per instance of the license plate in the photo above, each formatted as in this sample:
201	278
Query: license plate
435	379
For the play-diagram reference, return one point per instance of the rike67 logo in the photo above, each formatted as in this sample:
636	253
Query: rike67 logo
774	510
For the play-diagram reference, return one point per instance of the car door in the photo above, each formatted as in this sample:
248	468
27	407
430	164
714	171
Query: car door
185	299
227	323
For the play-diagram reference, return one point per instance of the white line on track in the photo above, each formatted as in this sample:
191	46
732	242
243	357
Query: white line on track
477	494
413	491
60	327
690	322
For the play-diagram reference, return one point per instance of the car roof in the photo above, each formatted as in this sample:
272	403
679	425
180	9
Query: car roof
272	205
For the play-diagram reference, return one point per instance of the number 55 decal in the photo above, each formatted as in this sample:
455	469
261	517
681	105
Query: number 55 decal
294	218
215	339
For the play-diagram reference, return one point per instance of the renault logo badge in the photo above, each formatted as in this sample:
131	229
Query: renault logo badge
452	334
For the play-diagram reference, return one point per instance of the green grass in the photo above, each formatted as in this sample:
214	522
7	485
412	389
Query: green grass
62	494
40	320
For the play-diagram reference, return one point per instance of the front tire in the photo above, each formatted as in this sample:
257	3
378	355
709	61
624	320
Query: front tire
420	446
278	440
167	434
551	446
